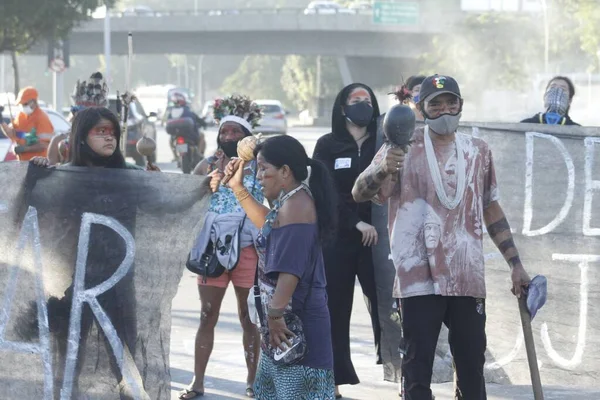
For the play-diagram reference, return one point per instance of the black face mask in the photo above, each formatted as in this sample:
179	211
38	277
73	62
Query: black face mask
230	148
360	114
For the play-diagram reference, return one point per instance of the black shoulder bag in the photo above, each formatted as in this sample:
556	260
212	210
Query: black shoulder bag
208	265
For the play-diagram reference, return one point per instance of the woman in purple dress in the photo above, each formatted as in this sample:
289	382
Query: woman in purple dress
291	274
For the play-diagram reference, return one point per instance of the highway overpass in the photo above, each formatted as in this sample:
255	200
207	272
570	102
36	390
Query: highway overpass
266	31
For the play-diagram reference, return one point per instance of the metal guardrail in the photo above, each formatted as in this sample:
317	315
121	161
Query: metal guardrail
229	12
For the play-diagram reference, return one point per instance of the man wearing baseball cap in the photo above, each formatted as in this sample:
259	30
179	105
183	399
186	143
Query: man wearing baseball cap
32	130
448	177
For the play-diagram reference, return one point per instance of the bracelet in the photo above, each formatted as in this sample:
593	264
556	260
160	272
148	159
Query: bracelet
241	194
275	313
275	318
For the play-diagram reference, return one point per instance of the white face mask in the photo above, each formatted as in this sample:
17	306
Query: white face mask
27	109
445	124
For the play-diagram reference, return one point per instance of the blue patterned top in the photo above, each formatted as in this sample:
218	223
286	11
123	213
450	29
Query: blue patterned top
224	201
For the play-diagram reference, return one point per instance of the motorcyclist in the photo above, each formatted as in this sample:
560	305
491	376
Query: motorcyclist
181	109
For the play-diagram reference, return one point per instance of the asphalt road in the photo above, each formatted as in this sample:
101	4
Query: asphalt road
226	373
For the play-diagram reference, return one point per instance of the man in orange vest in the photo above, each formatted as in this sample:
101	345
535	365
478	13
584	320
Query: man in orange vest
32	130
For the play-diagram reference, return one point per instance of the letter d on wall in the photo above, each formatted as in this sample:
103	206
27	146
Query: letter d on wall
564	211
591	186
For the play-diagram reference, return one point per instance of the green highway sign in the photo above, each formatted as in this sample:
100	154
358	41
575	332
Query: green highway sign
396	13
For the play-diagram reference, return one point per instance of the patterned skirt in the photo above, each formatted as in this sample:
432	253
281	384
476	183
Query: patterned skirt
293	382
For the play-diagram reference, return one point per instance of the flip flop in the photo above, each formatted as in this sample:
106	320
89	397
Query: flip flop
250	392
338	396
186	392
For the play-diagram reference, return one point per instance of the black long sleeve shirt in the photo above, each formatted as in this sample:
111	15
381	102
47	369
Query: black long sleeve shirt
346	161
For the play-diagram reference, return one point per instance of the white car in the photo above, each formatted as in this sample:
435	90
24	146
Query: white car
361	7
207	113
326	7
140	11
60	124
274	118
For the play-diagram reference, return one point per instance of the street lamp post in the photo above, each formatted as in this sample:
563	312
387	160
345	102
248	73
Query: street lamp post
544	5
107	49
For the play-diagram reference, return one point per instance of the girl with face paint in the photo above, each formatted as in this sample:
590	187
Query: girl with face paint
557	102
346	152
94	141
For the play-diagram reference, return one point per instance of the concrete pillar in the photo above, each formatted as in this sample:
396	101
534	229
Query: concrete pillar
59	91
186	71
107	49
200	90
319	84
344	71
2	73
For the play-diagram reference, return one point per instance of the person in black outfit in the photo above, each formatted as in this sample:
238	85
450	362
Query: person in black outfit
557	108
347	151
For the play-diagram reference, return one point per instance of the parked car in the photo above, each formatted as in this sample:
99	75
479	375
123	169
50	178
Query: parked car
207	113
361	7
6	146
326	7
140	11
138	124
60	124
274	118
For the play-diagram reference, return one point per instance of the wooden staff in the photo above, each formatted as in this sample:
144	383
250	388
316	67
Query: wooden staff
127	97
536	382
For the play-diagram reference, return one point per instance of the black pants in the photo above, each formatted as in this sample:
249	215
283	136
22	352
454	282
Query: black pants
422	318
344	261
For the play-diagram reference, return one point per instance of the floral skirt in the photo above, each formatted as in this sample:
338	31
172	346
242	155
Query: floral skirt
292	382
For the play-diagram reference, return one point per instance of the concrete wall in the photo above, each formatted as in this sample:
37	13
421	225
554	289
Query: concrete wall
550	190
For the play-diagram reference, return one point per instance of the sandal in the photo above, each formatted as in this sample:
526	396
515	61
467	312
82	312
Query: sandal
250	392
187	394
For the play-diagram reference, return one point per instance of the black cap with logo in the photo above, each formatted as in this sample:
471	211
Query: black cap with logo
435	85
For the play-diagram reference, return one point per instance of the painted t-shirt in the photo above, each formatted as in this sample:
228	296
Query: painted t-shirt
295	249
437	250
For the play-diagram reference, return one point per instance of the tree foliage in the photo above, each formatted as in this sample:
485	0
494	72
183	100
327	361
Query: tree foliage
257	77
488	51
577	23
25	23
299	79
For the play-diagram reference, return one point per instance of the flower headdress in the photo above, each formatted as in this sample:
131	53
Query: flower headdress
90	93
237	108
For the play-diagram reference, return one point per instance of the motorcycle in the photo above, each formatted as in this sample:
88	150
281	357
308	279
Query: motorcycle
186	139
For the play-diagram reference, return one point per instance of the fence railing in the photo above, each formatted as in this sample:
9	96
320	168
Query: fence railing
241	11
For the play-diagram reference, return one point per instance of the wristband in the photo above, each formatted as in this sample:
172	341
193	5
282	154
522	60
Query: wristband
275	313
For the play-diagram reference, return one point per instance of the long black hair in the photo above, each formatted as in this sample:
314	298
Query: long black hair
338	119
285	150
81	155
